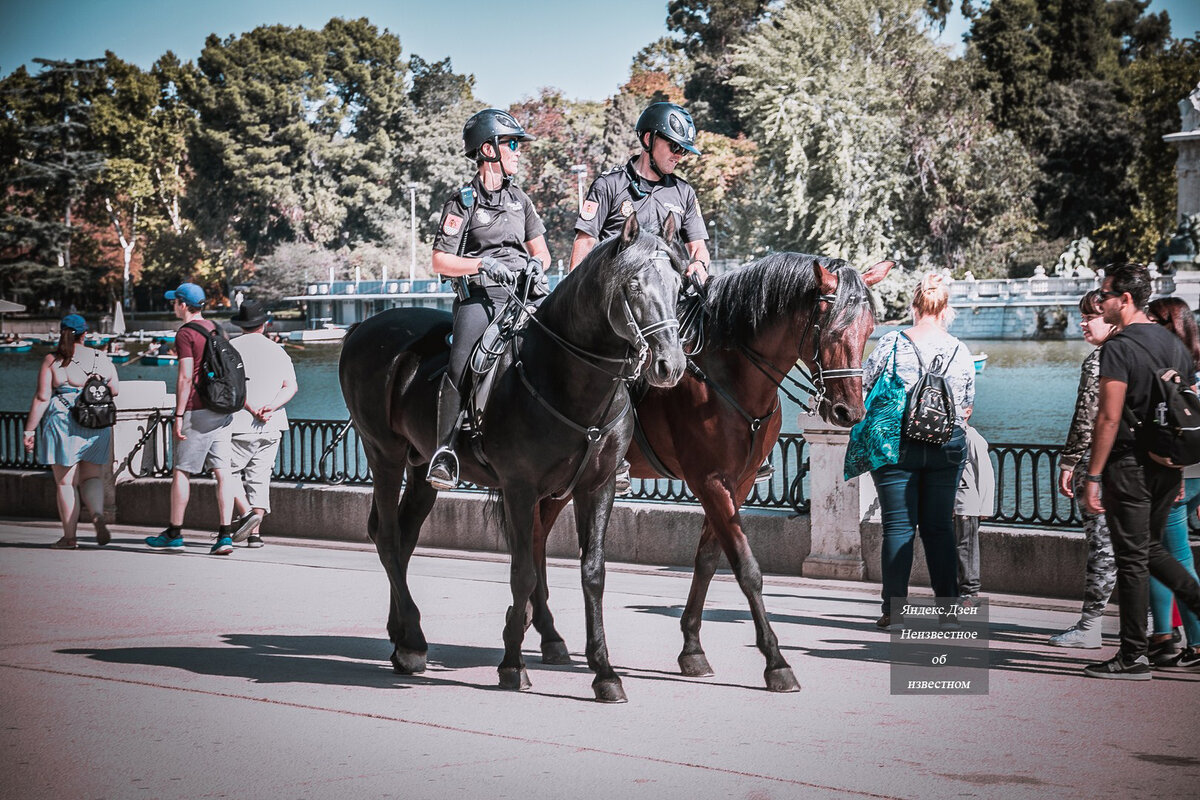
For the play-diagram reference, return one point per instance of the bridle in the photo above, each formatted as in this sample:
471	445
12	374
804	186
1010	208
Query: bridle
628	369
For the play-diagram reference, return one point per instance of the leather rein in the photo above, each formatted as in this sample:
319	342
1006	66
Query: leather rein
627	370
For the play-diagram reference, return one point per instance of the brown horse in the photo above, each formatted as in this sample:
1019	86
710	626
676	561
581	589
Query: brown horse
717	425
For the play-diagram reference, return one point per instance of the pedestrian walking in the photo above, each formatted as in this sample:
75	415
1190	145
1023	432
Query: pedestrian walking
1101	571
917	494
1138	489
202	435
76	454
258	428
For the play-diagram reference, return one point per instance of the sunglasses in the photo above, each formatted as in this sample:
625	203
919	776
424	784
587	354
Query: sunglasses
513	144
1104	295
676	149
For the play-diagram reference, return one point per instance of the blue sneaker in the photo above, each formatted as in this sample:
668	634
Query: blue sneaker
164	542
223	547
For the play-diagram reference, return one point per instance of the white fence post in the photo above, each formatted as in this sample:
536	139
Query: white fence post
835	514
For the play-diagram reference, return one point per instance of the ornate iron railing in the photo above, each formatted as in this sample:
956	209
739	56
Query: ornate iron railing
313	451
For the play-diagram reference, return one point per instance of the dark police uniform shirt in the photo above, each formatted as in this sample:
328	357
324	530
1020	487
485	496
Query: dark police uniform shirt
500	224
620	192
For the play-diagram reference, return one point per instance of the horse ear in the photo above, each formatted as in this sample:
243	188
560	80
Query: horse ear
629	232
826	280
877	272
670	230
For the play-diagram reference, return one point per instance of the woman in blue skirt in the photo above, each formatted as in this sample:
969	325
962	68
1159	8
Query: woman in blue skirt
75	453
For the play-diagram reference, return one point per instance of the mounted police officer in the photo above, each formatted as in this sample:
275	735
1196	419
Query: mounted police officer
489	233
648	186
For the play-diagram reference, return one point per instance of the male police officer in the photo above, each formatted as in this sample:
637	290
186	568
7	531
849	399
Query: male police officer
648	187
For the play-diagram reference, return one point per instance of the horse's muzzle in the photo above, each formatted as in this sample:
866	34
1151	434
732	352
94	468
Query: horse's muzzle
840	414
665	370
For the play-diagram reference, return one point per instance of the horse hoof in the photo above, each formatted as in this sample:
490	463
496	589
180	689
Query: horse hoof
555	653
781	680
695	665
609	691
515	678
408	662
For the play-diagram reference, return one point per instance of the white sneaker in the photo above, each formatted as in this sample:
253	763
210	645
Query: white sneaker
1087	638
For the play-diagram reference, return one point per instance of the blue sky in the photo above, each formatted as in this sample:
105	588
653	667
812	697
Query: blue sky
513	47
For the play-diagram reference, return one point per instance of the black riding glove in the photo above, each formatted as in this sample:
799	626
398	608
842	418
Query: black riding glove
539	284
496	271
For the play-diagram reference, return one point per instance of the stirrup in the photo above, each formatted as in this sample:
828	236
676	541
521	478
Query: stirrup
441	475
765	472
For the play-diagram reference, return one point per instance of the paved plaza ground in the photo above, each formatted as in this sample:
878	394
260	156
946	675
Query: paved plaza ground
134	674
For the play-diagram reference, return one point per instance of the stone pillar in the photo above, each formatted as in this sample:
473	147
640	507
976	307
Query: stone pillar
835	511
1187	163
136	404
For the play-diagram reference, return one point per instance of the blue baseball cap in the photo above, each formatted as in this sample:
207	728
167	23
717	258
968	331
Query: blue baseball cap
75	322
191	294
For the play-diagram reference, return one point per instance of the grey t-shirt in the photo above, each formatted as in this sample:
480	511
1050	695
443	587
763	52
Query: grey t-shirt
620	192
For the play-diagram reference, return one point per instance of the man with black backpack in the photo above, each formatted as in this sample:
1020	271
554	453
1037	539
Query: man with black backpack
1138	487
210	385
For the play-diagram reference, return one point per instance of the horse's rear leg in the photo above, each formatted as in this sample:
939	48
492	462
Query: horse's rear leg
395	528
592	511
554	649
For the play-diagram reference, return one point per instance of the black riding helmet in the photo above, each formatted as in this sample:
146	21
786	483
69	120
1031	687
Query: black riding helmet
670	122
491	125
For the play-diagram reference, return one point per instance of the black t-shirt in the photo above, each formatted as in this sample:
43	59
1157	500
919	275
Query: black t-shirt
620	192
500	224
1123	360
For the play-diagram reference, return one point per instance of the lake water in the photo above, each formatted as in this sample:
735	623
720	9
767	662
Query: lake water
1025	395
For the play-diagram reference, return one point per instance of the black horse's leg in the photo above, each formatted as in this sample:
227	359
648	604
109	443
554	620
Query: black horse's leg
394	527
591	518
519	512
692	661
554	649
727	530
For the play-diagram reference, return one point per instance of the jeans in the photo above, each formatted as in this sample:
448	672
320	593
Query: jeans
1175	539
917	494
1138	495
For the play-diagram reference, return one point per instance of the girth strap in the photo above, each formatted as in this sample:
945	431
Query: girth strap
594	434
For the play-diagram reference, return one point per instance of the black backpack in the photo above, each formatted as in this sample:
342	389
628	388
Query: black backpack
929	417
222	373
94	406
1171	435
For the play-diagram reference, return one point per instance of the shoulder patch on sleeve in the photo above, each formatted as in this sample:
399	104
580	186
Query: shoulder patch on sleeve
451	224
588	212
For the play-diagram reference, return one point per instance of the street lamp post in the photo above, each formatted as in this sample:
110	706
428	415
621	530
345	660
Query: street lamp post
716	239
580	171
412	245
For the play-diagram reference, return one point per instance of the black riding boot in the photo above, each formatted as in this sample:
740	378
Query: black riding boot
443	467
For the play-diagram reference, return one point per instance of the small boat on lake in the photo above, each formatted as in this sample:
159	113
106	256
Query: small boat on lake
980	361
328	334
161	360
118	356
19	346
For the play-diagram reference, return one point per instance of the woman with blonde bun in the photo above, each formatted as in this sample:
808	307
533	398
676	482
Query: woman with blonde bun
916	494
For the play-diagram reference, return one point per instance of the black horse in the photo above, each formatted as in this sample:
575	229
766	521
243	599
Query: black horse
556	424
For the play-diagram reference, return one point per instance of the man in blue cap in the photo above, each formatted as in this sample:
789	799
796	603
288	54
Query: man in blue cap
202	436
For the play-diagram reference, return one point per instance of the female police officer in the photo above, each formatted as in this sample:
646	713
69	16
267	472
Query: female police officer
488	233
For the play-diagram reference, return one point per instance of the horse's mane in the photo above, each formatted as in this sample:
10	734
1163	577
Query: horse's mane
604	271
776	287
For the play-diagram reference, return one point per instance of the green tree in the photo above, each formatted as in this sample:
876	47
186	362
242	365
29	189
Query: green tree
50	162
709	30
870	142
